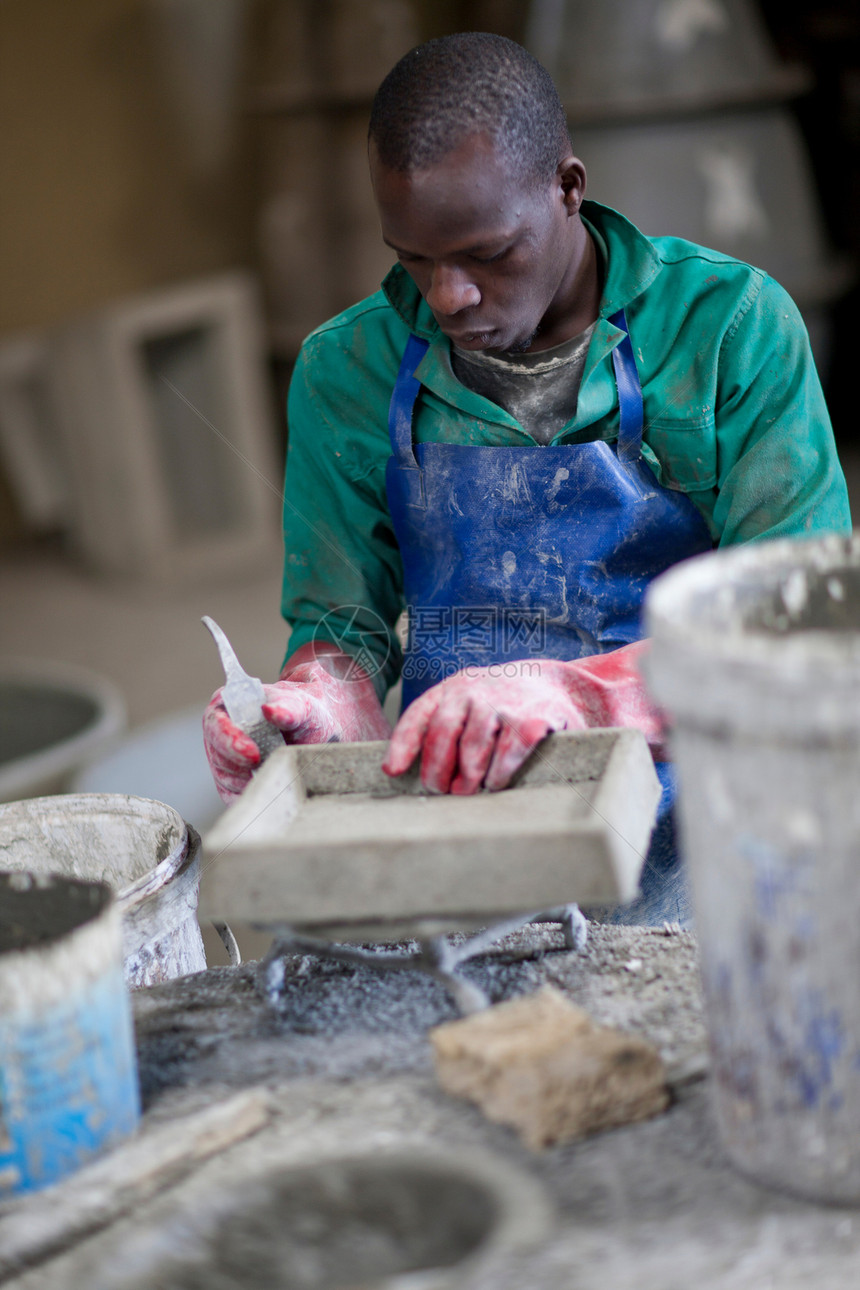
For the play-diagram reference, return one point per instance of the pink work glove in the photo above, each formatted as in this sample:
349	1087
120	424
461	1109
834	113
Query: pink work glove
323	696
476	728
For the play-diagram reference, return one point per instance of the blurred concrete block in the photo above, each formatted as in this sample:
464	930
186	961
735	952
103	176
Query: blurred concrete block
637	58
323	839
315	52
366	40
317	257
299	265
30	444
167	423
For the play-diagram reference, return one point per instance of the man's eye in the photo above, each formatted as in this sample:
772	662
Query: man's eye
490	259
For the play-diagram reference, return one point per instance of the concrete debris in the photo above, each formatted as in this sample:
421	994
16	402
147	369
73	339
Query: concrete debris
541	1064
347	1068
336	1021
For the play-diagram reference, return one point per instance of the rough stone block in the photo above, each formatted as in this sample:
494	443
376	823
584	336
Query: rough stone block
541	1065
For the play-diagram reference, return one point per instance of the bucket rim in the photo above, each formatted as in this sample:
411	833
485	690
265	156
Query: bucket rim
709	584
121	804
102	895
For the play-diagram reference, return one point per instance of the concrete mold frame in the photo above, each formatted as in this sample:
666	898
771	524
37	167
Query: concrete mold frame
324	840
162	407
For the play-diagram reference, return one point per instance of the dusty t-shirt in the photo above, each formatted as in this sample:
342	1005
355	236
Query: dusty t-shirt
540	390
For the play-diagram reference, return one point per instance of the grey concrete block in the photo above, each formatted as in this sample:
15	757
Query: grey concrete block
323	839
30	444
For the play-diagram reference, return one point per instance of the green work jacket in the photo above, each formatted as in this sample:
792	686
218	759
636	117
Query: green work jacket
734	417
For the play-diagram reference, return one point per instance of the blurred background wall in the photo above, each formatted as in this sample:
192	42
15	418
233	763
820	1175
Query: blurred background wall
137	148
103	193
145	143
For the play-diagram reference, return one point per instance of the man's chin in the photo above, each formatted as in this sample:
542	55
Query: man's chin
520	346
493	342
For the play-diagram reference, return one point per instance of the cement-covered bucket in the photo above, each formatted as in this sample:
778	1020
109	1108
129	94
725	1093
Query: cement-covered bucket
54	718
417	1217
756	657
68	1075
141	848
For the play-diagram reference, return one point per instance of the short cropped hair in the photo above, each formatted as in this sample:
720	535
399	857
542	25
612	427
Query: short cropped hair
471	82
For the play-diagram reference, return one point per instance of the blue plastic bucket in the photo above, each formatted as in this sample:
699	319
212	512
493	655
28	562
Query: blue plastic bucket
68	1074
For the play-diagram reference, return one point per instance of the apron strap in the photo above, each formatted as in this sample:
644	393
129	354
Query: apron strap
630	405
406	389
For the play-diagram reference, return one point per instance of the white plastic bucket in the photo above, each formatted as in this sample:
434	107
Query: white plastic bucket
141	848
756	657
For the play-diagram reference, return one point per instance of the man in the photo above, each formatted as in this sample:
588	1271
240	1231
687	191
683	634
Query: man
540	411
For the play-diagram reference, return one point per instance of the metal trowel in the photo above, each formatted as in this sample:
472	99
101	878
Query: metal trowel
243	696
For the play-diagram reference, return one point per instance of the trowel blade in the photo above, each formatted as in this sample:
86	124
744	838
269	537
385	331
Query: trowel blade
243	696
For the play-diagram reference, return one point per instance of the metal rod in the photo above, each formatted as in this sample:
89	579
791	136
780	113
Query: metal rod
436	955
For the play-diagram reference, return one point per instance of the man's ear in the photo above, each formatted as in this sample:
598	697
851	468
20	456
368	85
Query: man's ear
571	177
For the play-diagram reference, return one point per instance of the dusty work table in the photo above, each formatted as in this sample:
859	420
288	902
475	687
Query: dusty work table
344	1066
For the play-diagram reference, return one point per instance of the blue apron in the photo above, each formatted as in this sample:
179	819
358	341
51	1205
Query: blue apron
512	553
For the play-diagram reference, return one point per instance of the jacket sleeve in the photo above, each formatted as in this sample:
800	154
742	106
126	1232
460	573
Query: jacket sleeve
778	470
342	569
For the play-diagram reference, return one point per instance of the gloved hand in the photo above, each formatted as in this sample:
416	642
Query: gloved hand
478	727
322	696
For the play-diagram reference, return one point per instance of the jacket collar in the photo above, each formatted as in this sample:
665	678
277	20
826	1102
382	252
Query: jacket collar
630	263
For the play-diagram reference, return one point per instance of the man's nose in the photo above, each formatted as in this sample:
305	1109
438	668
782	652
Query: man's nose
451	289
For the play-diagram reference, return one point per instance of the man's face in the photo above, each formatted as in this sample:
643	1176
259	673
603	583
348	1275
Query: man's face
491	253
